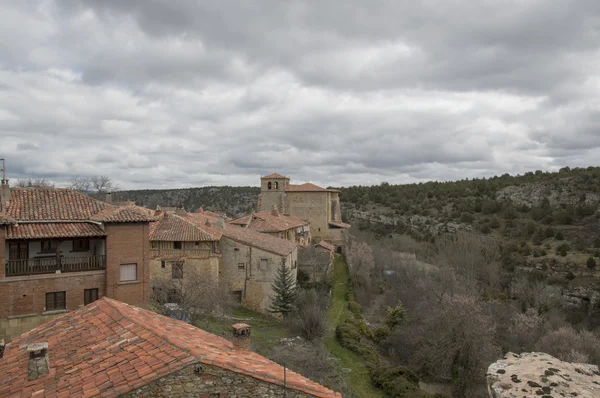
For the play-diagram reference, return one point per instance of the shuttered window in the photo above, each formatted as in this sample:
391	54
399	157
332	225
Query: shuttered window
89	296
56	301
128	272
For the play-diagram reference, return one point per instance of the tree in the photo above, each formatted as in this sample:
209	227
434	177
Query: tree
396	316
38	182
93	184
591	263
190	289
285	290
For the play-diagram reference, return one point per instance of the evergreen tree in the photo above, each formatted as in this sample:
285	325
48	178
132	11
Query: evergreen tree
285	290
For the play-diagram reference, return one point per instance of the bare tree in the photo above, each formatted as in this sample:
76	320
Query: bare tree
38	182
94	184
192	291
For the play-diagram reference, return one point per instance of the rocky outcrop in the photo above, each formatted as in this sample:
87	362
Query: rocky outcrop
533	194
417	223
536	374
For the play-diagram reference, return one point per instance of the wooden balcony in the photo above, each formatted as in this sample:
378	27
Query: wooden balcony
50	265
182	253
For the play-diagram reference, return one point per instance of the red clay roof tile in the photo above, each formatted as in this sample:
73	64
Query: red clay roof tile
172	227
54	230
81	337
274	176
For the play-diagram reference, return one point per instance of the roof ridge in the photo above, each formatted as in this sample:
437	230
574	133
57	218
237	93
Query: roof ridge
193	224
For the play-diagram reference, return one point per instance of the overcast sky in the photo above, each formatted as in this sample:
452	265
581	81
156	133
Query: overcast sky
159	94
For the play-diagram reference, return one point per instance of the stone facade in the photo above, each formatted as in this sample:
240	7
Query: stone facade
249	272
316	261
201	380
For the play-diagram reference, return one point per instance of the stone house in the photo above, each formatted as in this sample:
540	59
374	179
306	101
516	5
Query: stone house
60	250
276	224
178	246
318	206
109	348
249	260
316	260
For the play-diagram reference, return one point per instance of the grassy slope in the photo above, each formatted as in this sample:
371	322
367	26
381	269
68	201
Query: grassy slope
358	378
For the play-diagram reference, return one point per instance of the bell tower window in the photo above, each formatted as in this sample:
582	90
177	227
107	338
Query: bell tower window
276	185
269	185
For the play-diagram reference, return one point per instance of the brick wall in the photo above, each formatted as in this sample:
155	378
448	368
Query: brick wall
128	244
211	381
26	295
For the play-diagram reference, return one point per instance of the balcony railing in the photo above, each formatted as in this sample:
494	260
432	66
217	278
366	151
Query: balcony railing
50	265
179	253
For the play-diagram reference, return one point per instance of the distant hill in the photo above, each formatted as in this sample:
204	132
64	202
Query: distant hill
232	201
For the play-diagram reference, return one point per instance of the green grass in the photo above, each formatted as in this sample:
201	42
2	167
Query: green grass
266	330
358	378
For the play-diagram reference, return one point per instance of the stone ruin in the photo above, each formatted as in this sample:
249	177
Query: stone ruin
536	374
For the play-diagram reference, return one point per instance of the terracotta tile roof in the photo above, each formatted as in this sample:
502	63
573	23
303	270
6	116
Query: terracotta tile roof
326	245
307	187
246	236
54	230
5	219
172	227
110	348
275	175
123	215
267	221
41	204
339	224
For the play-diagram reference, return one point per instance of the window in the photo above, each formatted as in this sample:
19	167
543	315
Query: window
264	264
18	251
241	265
89	296
177	245
81	245
269	185
154	244
56	301
48	246
196	244
276	185
295	264
128	272
163	264
177	270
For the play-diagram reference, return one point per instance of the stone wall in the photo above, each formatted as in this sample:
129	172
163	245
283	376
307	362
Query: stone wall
200	380
312	207
128	244
207	267
17	325
241	269
315	261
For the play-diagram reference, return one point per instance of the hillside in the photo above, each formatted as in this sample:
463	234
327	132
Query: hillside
232	201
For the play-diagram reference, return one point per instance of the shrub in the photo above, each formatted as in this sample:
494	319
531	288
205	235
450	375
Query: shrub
310	317
563	249
559	236
494	223
380	334
570	276
397	382
396	316
355	308
591	263
466	217
302	278
550	232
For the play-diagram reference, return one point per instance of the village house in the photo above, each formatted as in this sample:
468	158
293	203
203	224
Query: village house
178	246
249	260
109	348
276	224
316	261
318	206
60	250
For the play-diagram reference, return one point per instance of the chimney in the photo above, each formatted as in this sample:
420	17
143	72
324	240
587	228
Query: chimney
207	223
38	364
241	336
274	212
4	187
220	223
108	197
180	211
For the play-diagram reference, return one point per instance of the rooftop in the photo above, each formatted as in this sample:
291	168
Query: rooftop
47	230
172	227
110	348
274	176
269	221
246	236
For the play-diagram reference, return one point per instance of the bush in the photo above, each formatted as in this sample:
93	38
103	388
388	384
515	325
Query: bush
310	318
494	223
570	276
355	308
380	334
559	236
397	382
550	232
466	217
591	263
302	278
563	249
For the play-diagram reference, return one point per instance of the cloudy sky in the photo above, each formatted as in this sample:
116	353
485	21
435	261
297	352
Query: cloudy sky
159	94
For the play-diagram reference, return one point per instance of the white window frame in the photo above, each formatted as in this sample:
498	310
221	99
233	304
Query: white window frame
128	272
